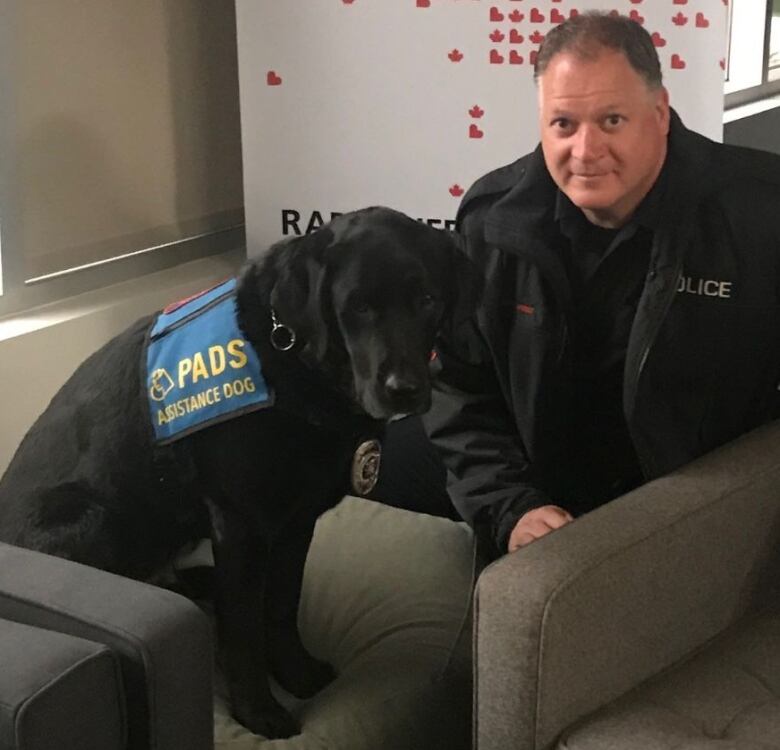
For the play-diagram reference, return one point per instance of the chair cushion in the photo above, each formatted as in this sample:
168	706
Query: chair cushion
386	600
726	697
58	691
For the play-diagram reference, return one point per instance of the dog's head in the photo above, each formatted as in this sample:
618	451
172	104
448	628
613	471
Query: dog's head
366	295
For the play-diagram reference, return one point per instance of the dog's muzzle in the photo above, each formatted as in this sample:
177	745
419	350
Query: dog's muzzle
403	394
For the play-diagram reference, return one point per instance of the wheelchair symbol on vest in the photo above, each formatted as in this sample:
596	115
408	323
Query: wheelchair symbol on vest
161	384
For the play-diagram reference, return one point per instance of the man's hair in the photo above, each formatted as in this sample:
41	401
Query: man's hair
588	34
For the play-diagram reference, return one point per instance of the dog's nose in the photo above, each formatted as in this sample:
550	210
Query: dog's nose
400	386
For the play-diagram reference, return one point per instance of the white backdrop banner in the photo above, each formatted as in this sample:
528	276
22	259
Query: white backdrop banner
351	103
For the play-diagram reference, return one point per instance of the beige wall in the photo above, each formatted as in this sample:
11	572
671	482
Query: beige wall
125	125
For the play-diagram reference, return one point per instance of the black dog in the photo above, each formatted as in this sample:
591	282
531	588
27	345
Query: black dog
343	321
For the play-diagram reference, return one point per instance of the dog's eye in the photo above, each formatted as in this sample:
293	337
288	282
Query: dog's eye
428	300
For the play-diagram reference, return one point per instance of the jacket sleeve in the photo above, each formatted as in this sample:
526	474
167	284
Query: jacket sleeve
490	480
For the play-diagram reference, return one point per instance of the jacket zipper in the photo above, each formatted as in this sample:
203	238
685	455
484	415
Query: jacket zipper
644	462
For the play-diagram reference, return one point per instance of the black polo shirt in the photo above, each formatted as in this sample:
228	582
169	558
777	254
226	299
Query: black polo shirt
606	270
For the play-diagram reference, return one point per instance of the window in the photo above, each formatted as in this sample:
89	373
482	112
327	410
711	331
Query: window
774	43
753	70
120	148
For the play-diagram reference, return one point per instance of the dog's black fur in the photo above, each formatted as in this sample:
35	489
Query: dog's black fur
365	295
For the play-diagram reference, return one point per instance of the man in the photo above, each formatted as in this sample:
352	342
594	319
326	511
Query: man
630	320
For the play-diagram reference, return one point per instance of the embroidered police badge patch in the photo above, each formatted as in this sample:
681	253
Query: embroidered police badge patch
365	467
200	369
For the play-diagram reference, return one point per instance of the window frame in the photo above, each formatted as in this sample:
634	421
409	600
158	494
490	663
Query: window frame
766	88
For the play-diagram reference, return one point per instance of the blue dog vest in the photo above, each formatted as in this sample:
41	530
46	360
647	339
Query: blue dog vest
200	369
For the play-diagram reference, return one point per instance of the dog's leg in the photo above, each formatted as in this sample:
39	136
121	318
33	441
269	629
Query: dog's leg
293	666
241	564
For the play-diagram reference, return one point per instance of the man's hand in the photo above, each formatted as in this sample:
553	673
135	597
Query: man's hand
536	523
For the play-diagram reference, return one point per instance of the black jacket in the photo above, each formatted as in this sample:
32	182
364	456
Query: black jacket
703	359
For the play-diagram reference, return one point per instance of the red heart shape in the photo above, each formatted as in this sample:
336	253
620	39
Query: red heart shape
680	2
515	58
496	15
496	58
475	132
701	21
636	2
658	40
272	79
536	16
677	62
634	16
532	57
423	3
556	16
347	2
515	37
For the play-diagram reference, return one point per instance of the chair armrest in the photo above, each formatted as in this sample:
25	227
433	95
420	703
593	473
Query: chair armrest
58	691
579	617
163	641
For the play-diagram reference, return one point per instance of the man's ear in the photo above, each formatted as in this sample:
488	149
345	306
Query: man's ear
662	107
290	279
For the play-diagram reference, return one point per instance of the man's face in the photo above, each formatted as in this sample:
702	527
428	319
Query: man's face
603	133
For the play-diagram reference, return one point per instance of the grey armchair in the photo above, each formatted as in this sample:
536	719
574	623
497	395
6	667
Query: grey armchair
649	624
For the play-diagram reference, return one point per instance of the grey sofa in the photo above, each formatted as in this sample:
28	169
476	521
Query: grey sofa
650	624
92	661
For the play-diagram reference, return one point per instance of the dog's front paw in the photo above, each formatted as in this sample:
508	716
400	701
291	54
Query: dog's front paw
296	670
271	722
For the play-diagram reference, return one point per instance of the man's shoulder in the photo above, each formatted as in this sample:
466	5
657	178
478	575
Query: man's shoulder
746	187
490	188
742	162
723	165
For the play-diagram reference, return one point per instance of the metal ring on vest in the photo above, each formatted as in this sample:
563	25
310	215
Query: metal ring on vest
282	336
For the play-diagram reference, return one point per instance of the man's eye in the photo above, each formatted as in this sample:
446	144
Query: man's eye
612	121
563	126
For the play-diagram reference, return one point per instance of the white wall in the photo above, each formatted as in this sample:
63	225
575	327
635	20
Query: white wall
39	351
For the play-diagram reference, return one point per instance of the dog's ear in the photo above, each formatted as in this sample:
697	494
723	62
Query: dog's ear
291	280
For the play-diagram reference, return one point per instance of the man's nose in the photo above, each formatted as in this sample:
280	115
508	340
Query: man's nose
588	143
